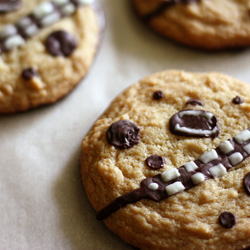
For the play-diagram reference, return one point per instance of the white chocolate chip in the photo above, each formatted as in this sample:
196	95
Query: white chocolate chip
247	148
217	170
208	156
43	9
50	19
226	147
60	2
242	137
24	22
31	30
153	186
174	188
170	174
8	30
68	9
235	158
190	166
13	41
197	178
36	83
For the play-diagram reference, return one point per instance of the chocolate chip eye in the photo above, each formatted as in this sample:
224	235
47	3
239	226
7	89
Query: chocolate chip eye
158	95
155	161
194	102
227	219
237	100
123	134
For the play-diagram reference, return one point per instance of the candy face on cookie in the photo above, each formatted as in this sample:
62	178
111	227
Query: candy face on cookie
190	189
54	36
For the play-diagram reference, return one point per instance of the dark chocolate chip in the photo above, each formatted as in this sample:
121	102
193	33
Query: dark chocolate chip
158	95
246	183
29	73
9	5
227	219
194	102
60	43
123	134
155	161
194	123
237	100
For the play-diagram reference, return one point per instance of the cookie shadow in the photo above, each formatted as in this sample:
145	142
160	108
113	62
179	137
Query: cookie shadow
77	217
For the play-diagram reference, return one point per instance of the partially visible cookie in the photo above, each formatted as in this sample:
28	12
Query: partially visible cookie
46	48
205	24
167	165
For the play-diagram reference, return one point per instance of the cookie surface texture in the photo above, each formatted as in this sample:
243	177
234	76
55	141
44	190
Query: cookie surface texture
46	48
205	24
189	218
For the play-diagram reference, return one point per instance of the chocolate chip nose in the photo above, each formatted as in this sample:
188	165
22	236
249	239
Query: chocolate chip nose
194	123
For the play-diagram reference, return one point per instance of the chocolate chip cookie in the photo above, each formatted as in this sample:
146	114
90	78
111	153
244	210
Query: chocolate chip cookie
205	24
46	48
167	165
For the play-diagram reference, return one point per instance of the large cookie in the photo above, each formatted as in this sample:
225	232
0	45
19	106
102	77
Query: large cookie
167	165
206	24
46	48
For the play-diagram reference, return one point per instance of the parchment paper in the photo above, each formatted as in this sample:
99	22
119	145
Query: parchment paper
42	202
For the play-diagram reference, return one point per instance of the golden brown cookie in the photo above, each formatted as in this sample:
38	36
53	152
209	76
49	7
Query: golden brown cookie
46	48
205	24
167	165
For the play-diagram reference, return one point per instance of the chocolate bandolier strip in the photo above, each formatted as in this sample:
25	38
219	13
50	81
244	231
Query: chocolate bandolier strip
213	163
165	5
45	14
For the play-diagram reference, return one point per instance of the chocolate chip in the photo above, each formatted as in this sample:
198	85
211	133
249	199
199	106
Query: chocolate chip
194	102
29	73
123	134
246	183
60	43
155	161
227	219
9	5
237	100
158	95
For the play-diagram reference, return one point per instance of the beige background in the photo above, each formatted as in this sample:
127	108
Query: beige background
42	202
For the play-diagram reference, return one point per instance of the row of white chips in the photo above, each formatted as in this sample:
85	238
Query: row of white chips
216	171
45	14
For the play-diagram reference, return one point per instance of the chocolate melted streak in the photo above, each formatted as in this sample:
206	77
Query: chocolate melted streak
185	177
164	6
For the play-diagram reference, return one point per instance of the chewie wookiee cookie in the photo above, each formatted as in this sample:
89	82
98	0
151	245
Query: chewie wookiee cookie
167	165
46	48
206	24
